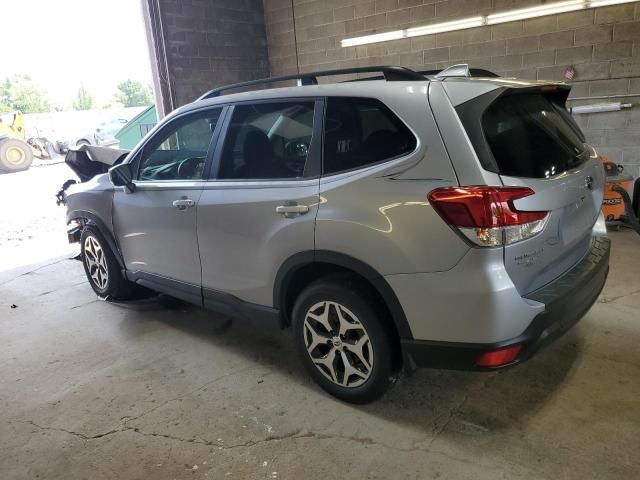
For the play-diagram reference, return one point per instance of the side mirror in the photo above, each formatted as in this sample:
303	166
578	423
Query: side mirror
122	176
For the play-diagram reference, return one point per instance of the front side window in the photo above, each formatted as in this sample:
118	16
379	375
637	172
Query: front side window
360	132
268	141
180	152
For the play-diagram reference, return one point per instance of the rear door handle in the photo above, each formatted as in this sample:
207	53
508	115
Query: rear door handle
292	210
183	203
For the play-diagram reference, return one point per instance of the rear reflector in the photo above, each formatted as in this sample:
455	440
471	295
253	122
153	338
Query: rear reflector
487	215
497	358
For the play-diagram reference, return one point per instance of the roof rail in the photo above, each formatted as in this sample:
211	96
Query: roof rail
461	70
390	73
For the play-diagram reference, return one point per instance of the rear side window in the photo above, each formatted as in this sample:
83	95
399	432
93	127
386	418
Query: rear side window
532	136
360	132
268	141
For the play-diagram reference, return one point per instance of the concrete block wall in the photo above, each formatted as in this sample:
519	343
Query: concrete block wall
210	43
603	46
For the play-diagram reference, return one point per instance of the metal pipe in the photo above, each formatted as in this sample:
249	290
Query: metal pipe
601	97
600	107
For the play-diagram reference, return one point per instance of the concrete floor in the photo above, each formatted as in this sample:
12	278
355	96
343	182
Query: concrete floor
91	390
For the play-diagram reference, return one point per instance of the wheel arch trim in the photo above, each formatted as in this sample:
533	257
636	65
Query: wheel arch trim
95	220
293	264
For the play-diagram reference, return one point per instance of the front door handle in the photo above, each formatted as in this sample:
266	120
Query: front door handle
292	210
183	203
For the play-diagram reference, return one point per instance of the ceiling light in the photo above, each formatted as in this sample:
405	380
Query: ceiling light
533	12
494	18
378	37
446	26
604	3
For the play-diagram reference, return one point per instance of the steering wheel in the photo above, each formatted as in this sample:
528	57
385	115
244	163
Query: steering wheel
188	167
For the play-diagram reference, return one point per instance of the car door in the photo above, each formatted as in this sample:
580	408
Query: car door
156	223
259	207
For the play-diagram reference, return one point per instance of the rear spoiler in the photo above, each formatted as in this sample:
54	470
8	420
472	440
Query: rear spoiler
87	161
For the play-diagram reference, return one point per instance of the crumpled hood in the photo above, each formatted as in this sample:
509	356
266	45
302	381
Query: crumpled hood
87	161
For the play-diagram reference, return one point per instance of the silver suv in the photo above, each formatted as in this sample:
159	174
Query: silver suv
447	219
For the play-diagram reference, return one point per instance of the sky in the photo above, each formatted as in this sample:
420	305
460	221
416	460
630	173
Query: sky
63	44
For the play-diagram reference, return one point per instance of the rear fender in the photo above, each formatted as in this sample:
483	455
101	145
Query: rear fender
288	269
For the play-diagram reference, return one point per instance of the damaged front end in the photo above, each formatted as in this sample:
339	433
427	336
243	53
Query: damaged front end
87	161
74	233
89	199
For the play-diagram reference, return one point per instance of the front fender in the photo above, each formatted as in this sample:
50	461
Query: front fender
90	218
92	203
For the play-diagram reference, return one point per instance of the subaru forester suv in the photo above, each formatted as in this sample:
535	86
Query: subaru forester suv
439	219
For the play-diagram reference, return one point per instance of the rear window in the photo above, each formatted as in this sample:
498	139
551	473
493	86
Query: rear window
531	135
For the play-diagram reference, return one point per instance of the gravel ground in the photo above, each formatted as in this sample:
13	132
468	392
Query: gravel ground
33	226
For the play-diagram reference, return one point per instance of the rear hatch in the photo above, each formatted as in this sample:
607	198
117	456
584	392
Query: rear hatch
529	139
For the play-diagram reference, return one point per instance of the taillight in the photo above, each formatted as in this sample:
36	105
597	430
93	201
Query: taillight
486	215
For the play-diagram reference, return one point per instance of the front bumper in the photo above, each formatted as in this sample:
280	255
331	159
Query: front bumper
74	233
566	300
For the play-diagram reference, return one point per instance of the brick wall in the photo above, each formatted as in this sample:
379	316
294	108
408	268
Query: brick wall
603	45
208	43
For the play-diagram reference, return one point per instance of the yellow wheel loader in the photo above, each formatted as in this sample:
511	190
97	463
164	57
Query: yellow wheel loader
16	153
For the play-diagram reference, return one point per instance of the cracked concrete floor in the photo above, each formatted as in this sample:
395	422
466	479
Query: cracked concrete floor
91	390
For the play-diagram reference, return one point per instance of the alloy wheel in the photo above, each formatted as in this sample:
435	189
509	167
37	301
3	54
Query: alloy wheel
338	344
96	262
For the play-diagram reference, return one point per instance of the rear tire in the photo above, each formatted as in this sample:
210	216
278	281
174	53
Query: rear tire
102	268
343	340
15	155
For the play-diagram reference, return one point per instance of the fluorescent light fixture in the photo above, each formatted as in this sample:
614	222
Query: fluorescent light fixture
533	12
378	37
493	19
606	3
445	26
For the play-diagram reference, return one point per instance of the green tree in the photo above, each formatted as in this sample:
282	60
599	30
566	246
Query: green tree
132	93
83	101
20	93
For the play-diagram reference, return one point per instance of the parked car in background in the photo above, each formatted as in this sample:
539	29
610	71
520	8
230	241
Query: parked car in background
104	134
404	220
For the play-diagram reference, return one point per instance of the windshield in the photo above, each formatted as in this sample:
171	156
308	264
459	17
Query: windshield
532	136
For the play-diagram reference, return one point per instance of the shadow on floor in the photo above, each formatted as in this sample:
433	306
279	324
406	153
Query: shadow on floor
427	399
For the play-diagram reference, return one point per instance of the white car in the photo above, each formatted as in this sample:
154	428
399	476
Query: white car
104	133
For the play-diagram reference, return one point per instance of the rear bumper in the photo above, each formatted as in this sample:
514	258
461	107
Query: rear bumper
566	300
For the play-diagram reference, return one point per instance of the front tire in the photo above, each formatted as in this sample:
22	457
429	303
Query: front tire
343	341
102	267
